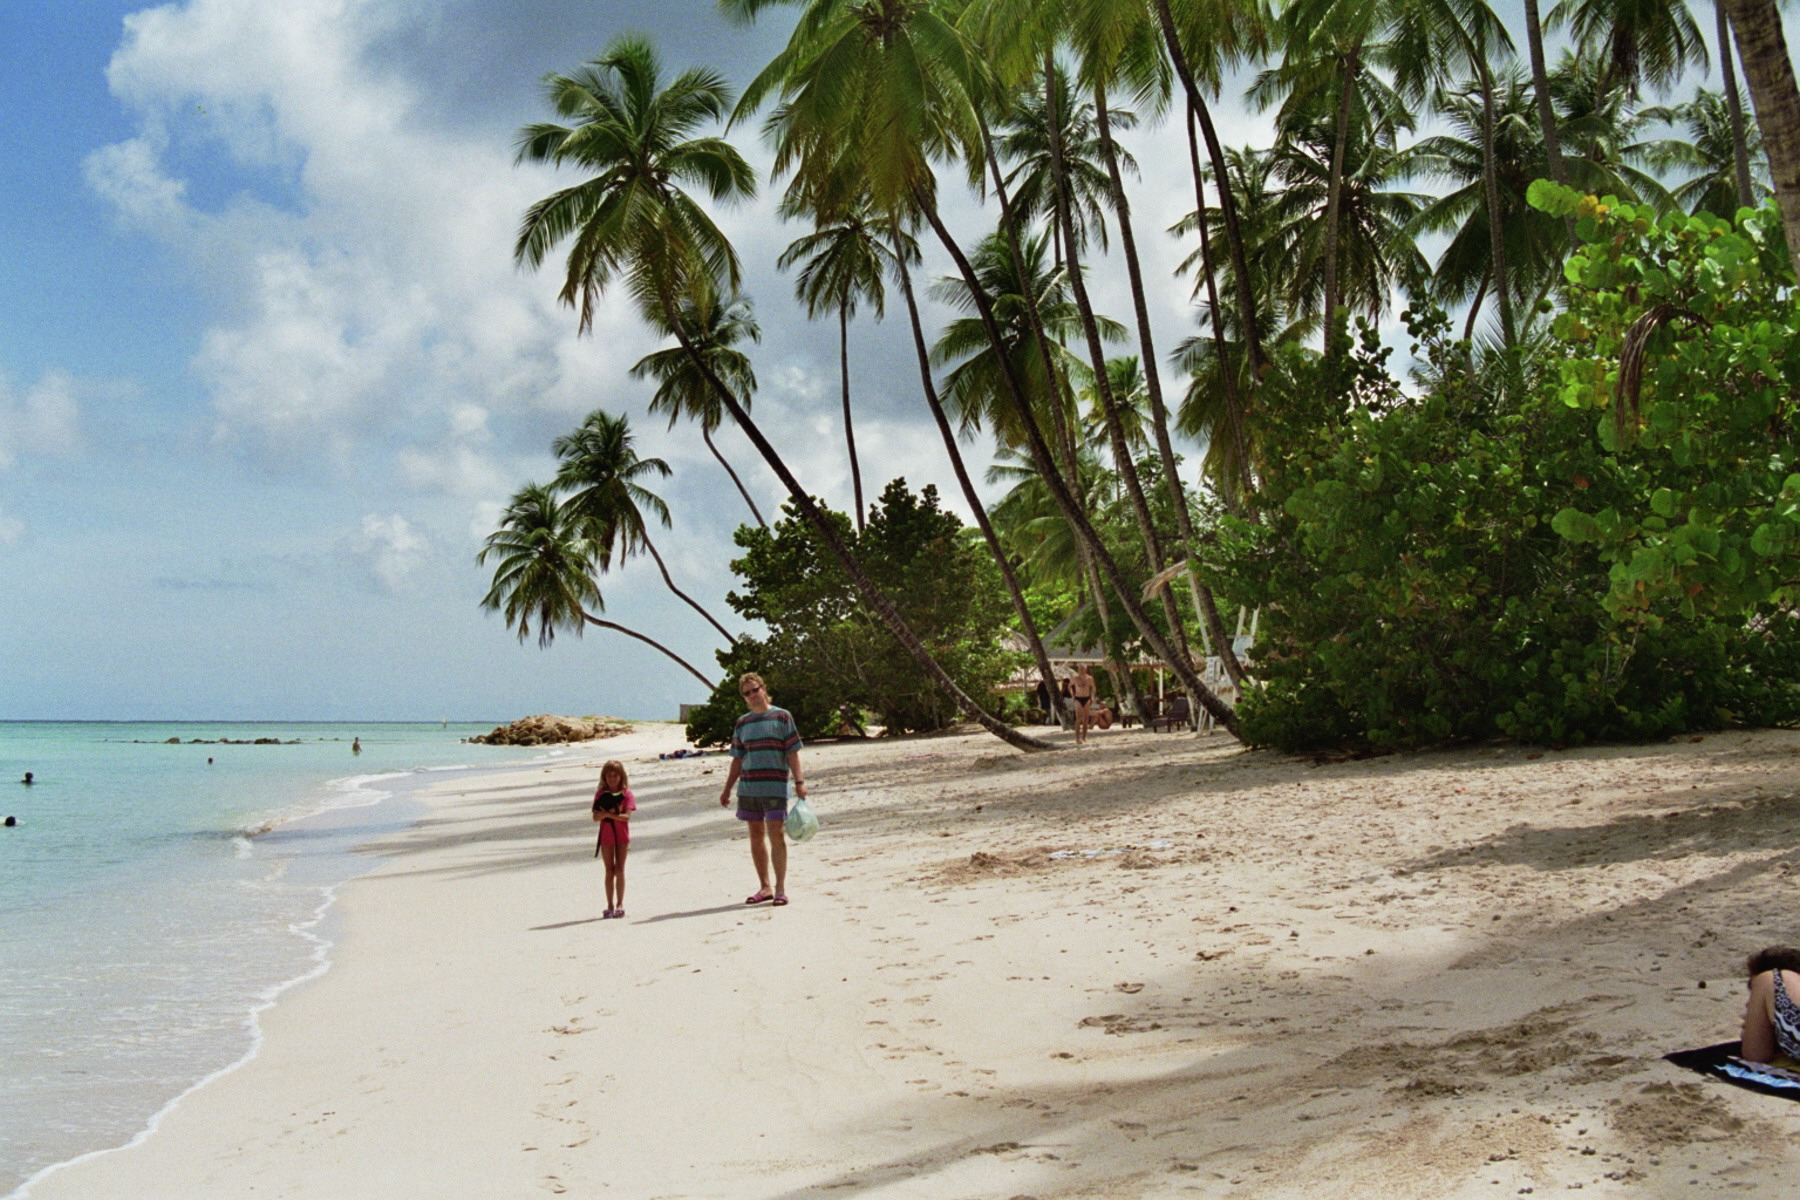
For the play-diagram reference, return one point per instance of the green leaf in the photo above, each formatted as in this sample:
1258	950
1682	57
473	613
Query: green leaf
1662	502
1576	526
1553	198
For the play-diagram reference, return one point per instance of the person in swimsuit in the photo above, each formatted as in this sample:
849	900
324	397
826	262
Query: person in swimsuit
613	806
1772	1018
1082	690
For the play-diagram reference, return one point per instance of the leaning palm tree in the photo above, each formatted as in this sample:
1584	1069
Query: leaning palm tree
631	221
715	325
600	474
873	95
545	573
844	259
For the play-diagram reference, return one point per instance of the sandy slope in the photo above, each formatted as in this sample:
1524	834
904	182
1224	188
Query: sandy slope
1421	976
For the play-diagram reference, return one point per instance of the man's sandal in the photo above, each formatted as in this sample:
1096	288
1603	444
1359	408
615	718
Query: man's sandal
760	896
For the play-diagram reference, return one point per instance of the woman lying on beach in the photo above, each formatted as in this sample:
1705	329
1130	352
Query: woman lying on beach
1772	1019
613	806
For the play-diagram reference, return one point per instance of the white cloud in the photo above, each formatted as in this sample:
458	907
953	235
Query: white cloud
44	419
454	470
378	293
390	549
11	529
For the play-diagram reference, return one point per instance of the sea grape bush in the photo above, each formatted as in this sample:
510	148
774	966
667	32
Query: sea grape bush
1511	552
1682	339
826	657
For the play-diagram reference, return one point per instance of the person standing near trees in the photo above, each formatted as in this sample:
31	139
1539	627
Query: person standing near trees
765	754
1082	691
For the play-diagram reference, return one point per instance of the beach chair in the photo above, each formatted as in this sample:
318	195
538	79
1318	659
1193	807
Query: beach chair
1175	714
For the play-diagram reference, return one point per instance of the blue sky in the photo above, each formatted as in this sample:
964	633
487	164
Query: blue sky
267	370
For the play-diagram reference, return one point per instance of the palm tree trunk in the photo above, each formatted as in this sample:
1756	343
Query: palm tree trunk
1491	184
849	428
706	436
1475	306
1039	654
1234	405
1059	491
1228	213
1769	71
1109	403
872	595
1540	83
591	619
1334	192
1740	143
689	600
1201	595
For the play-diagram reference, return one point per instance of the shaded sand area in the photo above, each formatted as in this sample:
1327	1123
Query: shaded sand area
1439	975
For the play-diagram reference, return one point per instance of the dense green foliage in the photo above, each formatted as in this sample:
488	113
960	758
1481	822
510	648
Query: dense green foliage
826	657
1507	553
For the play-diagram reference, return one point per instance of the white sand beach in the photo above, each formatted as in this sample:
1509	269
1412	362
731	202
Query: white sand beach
1440	975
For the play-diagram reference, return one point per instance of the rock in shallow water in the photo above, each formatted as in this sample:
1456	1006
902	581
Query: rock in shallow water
546	730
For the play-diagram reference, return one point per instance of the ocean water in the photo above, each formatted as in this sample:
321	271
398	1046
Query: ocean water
152	902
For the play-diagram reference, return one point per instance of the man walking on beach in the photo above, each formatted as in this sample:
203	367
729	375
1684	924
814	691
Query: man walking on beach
765	752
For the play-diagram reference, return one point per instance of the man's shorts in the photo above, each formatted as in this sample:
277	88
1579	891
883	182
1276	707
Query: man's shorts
762	808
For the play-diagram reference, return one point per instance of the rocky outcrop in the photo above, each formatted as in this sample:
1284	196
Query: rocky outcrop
546	730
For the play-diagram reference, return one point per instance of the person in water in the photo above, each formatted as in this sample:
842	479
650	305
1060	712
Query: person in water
356	745
27	780
613	806
1772	1018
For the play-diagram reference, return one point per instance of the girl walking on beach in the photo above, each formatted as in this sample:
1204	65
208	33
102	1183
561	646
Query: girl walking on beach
613	806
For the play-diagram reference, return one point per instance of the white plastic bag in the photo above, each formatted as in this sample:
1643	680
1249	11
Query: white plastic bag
801	824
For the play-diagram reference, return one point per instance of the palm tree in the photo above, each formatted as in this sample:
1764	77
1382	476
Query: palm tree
871	94
1740	138
600	472
1769	72
1202	41
545	573
1024	140
903	252
1533	242
1706	152
631	220
1376	251
843	261
715	325
1636	42
1324	80
975	386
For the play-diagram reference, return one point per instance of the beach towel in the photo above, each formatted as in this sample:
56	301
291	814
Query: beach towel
1722	1062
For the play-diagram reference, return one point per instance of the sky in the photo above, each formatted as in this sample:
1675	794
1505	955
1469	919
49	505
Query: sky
268	370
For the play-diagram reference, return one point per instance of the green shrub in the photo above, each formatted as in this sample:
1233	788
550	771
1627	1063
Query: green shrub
1463	564
826	657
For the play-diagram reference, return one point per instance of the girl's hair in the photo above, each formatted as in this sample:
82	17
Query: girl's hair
1773	958
613	764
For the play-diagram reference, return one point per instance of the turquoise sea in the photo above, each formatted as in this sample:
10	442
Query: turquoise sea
155	896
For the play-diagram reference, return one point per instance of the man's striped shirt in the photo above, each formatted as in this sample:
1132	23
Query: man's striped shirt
764	740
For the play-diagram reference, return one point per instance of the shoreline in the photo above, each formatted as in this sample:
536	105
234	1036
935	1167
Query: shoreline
1414	976
336	796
